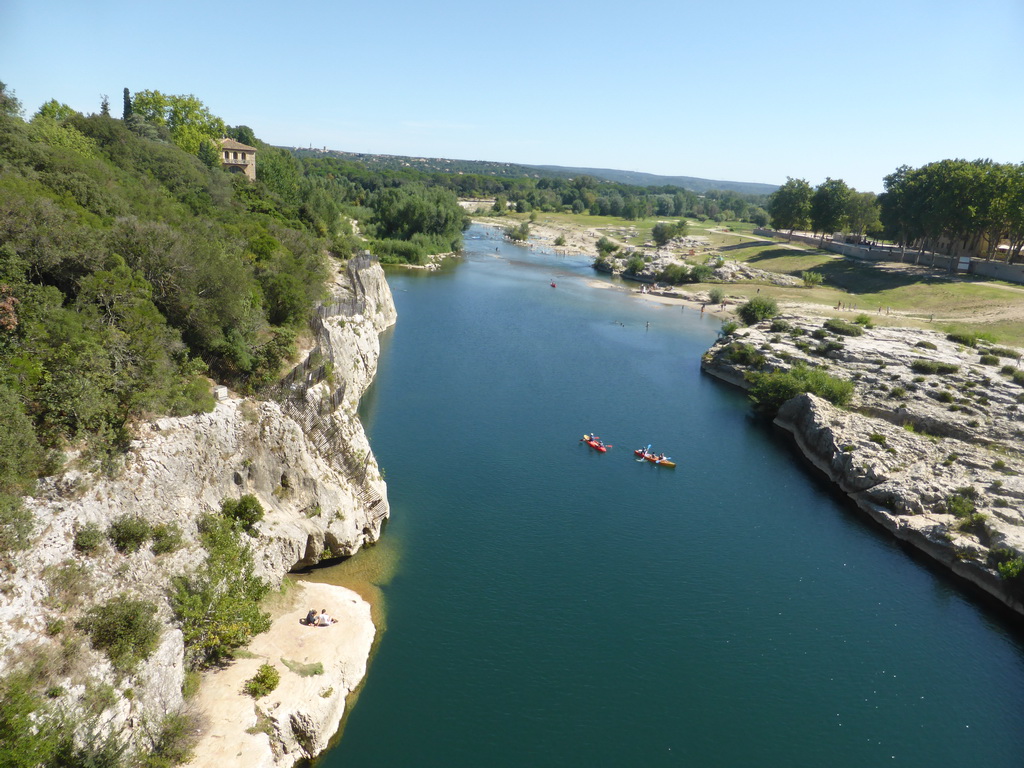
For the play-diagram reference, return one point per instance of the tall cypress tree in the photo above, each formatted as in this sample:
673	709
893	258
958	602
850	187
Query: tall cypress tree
127	106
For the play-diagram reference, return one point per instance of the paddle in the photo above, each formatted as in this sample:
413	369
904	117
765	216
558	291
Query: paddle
646	450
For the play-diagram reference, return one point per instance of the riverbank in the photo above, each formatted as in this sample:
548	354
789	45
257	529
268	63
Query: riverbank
319	667
930	446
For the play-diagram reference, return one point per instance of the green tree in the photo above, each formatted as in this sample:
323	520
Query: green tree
208	154
828	206
126	108
862	212
790	205
54	110
9	104
218	606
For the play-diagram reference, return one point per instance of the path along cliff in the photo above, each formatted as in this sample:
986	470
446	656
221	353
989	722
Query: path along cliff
931	446
300	450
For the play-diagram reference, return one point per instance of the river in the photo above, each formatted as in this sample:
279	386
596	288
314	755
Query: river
549	605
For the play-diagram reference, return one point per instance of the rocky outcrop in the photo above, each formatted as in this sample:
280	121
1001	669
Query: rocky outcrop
312	470
935	458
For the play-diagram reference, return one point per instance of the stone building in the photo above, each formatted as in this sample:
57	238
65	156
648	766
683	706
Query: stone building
238	158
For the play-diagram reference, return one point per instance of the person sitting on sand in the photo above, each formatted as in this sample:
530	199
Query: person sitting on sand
311	618
324	620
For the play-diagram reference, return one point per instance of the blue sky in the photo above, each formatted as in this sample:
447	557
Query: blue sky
739	90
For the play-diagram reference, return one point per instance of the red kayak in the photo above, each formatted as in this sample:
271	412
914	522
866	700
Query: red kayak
665	462
594	442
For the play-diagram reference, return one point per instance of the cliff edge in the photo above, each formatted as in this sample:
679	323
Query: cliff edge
301	451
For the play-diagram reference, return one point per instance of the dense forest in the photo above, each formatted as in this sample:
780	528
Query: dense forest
134	269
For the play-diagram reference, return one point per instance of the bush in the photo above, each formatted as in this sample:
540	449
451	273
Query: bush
16	524
925	345
843	328
781	326
716	295
88	538
174	742
744	354
729	327
244	512
263	682
126	630
864	320
770	390
518	234
166	538
876	437
1003	352
920	365
967	339
560	240
128	533
989	360
758	308
811	279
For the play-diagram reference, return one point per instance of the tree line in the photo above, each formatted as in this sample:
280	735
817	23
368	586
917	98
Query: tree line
955	206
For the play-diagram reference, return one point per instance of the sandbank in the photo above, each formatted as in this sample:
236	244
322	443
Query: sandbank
299	718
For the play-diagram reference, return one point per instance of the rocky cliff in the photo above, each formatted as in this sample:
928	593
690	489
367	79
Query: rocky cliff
303	454
932	445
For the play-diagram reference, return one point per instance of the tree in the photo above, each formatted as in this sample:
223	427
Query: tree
187	118
126	110
9	104
790	205
104	105
828	206
218	605
54	110
209	155
862	212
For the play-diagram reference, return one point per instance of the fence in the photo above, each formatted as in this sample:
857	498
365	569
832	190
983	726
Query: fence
312	413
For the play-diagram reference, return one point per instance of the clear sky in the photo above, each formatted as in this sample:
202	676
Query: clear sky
731	90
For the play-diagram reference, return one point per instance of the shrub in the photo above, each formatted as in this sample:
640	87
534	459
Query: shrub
1018	377
770	390
263	682
701	274
174	742
942	396
128	533
967	339
1009	563
758	308
864	320
744	354
973	523
560	240
925	345
16	524
166	538
729	327
819	333
920	365
876	437
843	328
1013	354
126	630
781	326
989	360
716	295
898	392
244	512
88	538
811	279
1007	370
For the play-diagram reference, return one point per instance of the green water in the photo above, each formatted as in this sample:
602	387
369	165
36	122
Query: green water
553	606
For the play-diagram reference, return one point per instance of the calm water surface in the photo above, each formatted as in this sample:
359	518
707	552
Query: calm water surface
553	606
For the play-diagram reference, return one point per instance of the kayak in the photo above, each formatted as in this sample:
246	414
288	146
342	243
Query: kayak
597	445
666	462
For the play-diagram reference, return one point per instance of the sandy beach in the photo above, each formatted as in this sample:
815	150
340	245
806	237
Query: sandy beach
305	711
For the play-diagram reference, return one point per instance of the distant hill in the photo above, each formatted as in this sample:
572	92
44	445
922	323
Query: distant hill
516	170
640	179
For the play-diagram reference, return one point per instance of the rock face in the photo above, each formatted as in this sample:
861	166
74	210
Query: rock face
936	458
311	469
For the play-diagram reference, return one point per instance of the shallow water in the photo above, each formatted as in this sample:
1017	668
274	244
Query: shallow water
556	606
